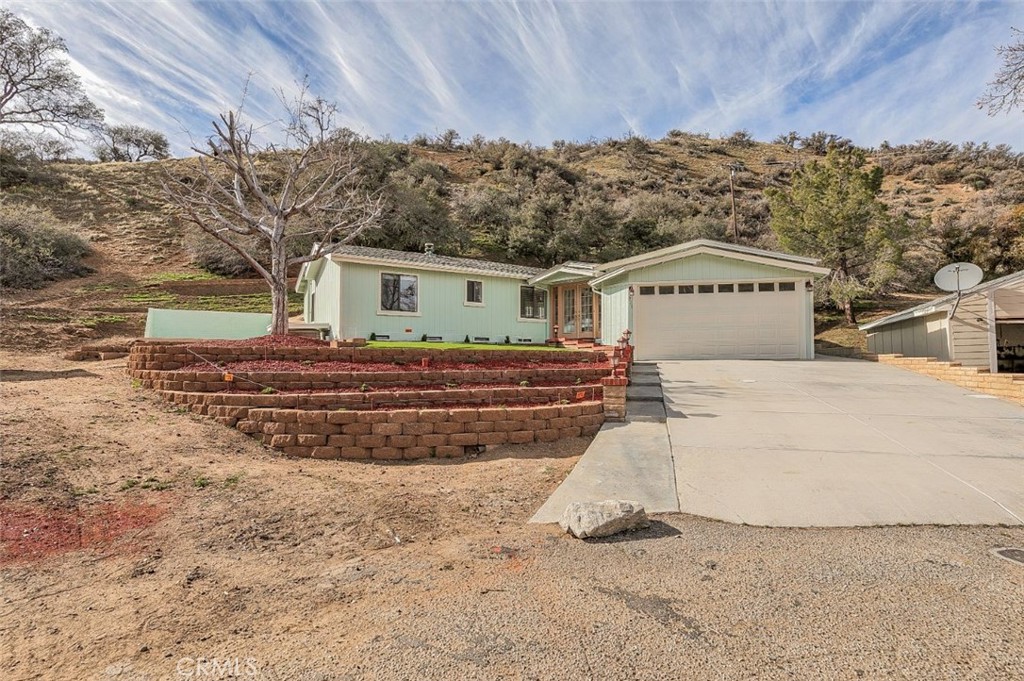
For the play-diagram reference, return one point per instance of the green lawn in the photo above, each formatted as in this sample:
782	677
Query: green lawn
459	346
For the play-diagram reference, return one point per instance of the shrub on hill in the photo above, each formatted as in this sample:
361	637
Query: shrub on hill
35	250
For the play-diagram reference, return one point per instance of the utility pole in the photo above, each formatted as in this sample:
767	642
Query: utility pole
732	194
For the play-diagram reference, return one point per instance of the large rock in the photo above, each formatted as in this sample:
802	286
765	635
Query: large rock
602	518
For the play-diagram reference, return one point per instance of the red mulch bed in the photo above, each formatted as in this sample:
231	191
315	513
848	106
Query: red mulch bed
282	366
270	341
32	532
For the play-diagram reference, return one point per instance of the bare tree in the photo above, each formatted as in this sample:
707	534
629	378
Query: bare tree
130	143
1006	91
256	198
37	85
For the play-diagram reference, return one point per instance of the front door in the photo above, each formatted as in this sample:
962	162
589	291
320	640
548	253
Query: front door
578	311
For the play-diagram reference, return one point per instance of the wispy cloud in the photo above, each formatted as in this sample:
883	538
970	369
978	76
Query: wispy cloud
546	70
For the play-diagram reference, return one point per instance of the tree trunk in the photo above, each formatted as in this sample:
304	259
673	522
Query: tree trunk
278	288
851	318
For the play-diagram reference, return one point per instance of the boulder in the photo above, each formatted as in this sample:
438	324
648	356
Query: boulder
584	519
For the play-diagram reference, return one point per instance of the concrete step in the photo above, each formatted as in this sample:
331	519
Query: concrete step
651	412
645	380
643	393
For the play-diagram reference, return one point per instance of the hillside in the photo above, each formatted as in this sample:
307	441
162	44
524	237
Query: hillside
496	199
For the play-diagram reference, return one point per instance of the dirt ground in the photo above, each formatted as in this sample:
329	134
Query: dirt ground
143	543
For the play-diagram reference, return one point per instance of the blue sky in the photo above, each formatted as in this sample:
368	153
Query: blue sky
540	71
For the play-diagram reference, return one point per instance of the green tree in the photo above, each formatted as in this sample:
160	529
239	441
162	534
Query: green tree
832	212
37	85
130	143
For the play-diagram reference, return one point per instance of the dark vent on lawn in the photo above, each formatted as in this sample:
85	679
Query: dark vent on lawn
1011	554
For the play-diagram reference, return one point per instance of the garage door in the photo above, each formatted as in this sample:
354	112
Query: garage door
726	320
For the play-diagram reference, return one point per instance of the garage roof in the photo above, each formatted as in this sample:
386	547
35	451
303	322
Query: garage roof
943	303
794	262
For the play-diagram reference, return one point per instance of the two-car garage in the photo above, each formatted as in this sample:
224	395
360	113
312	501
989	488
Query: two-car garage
708	300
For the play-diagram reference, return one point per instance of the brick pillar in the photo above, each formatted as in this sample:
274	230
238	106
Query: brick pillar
614	388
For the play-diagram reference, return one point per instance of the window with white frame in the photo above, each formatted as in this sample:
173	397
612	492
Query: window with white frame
474	292
399	293
533	303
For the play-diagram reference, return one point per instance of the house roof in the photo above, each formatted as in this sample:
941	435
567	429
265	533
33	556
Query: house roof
942	303
415	260
432	261
794	262
571	269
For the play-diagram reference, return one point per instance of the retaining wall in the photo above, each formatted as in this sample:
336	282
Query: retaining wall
1007	386
412	433
148	355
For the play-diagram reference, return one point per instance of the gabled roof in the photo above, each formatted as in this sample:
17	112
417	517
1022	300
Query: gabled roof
432	261
707	246
571	269
943	303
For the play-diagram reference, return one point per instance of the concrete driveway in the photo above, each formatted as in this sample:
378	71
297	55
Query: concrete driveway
838	442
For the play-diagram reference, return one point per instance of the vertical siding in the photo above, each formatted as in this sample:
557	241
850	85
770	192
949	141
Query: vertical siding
324	305
614	312
442	311
918	337
705	267
1010	301
970	336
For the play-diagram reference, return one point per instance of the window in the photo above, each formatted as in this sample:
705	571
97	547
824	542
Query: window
726	288
766	286
787	285
399	293
705	288
474	292
663	290
647	290
688	288
745	288
533	303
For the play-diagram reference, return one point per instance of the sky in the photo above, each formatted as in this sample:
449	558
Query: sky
543	71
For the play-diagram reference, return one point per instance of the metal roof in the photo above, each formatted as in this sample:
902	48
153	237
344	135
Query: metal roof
939	304
432	261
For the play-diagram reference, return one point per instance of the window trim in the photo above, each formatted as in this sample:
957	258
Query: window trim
398	313
547	305
465	294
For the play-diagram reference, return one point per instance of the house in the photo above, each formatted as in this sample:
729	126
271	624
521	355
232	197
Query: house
701	299
986	328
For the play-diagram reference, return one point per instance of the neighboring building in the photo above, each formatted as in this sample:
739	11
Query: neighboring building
986	330
701	299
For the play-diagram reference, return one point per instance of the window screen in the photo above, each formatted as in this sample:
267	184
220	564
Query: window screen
474	291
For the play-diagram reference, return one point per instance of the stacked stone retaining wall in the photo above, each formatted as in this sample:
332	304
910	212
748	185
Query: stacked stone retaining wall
1007	386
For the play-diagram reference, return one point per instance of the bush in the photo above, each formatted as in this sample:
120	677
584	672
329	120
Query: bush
34	250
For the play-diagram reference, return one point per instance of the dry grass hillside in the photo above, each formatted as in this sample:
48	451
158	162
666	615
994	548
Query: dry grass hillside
483	198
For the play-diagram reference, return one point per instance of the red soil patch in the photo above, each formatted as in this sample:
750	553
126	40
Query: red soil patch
269	341
281	366
33	532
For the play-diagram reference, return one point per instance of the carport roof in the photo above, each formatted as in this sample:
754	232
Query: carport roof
943	303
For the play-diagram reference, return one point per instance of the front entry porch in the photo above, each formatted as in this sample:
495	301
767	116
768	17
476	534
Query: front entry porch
575	312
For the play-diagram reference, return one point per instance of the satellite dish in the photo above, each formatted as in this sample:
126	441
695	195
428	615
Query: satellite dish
959	276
